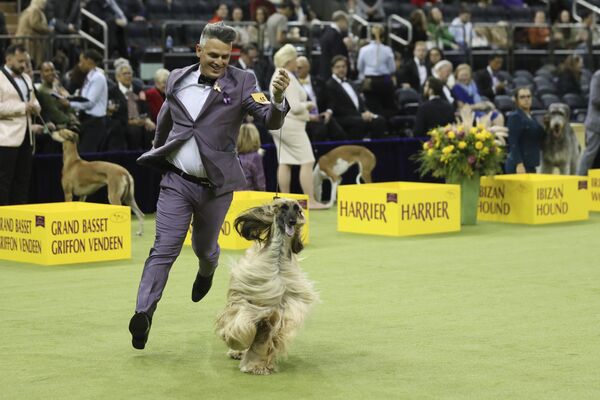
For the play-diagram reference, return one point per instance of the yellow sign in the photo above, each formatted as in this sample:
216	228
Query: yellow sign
533	198
65	233
594	189
229	238
260	98
398	208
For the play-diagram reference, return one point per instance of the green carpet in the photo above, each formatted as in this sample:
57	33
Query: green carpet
493	312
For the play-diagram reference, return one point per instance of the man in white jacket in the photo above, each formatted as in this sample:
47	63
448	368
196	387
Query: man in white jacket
17	141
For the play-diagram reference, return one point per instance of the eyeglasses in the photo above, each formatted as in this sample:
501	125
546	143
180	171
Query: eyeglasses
527	96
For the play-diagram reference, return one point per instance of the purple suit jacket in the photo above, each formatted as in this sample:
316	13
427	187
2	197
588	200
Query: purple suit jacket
216	129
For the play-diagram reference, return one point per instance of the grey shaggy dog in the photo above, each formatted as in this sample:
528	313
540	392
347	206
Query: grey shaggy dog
269	296
560	147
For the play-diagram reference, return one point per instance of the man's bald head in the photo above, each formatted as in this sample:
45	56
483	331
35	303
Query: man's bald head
303	66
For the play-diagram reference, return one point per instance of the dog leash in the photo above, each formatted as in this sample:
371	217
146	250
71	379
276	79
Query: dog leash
281	120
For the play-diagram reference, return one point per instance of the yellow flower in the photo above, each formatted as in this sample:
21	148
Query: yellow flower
478	145
485	150
429	152
448	149
437	143
451	135
480	136
462	144
480	127
425	145
473	130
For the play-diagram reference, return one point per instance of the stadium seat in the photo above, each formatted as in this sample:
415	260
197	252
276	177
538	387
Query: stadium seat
519	81
408	100
577	104
546	89
549	98
543	80
504	103
524	73
138	34
536	104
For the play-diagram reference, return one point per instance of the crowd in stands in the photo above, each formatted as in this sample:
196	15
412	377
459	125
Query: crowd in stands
361	88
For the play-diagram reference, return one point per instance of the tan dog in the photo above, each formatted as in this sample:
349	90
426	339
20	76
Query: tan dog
335	163
82	178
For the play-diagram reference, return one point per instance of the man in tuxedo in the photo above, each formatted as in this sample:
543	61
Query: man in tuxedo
487	81
332	42
348	107
17	141
197	129
414	72
434	112
247	60
321	126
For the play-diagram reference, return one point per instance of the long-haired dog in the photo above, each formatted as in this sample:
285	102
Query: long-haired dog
560	147
334	164
269	296
82	178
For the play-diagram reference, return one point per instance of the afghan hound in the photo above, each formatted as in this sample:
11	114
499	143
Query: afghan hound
269	296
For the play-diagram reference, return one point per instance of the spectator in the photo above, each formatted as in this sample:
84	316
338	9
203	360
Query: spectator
17	141
110	12
257	33
419	27
221	13
569	75
465	92
347	106
434	112
65	14
415	72
266	5
525	136
539	36
248	148
243	37
53	99
139	127
321	124
371	10
332	42
156	96
301	12
462	28
277	25
563	35
3	42
134	10
592	127
437	32
293	145
247	60
92	112
488	80
399	62
443	71
375	69
434	55
33	22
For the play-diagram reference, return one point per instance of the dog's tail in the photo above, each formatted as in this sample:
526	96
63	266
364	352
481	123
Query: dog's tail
128	198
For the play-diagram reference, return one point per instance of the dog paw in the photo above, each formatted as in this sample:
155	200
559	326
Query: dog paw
258	369
235	354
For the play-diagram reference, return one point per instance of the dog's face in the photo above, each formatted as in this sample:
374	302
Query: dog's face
282	216
556	119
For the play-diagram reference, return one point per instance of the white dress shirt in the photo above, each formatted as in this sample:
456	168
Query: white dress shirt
306	84
349	90
422	71
495	79
95	89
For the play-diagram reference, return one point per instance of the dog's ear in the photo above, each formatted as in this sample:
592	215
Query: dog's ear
255	223
297	244
567	111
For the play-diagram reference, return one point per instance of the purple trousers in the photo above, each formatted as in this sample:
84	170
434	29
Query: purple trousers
180	200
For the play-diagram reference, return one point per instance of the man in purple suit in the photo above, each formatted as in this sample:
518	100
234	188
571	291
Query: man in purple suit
194	145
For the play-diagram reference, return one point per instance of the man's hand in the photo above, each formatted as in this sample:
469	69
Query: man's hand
31	108
37	129
280	83
310	105
327	116
367	116
314	118
149	125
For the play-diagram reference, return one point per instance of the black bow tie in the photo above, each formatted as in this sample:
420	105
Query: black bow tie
205	80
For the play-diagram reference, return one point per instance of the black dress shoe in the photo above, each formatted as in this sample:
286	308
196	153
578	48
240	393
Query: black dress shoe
139	326
201	286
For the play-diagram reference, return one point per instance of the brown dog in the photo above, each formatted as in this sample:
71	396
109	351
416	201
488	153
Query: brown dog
82	178
336	162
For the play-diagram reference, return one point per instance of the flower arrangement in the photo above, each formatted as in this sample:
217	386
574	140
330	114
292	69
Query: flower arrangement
459	151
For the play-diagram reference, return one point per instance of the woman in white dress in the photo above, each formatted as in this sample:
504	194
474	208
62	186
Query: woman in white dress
293	145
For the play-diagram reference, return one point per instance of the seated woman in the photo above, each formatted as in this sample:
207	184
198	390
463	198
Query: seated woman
465	92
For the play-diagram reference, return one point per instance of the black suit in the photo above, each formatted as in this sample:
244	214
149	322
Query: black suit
431	114
332	44
485	84
319	130
121	135
410	75
348	116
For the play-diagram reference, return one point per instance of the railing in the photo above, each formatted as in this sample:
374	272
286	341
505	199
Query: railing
362	22
102	45
392	37
585	4
46	40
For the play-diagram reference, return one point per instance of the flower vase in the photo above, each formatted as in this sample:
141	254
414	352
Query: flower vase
469	198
